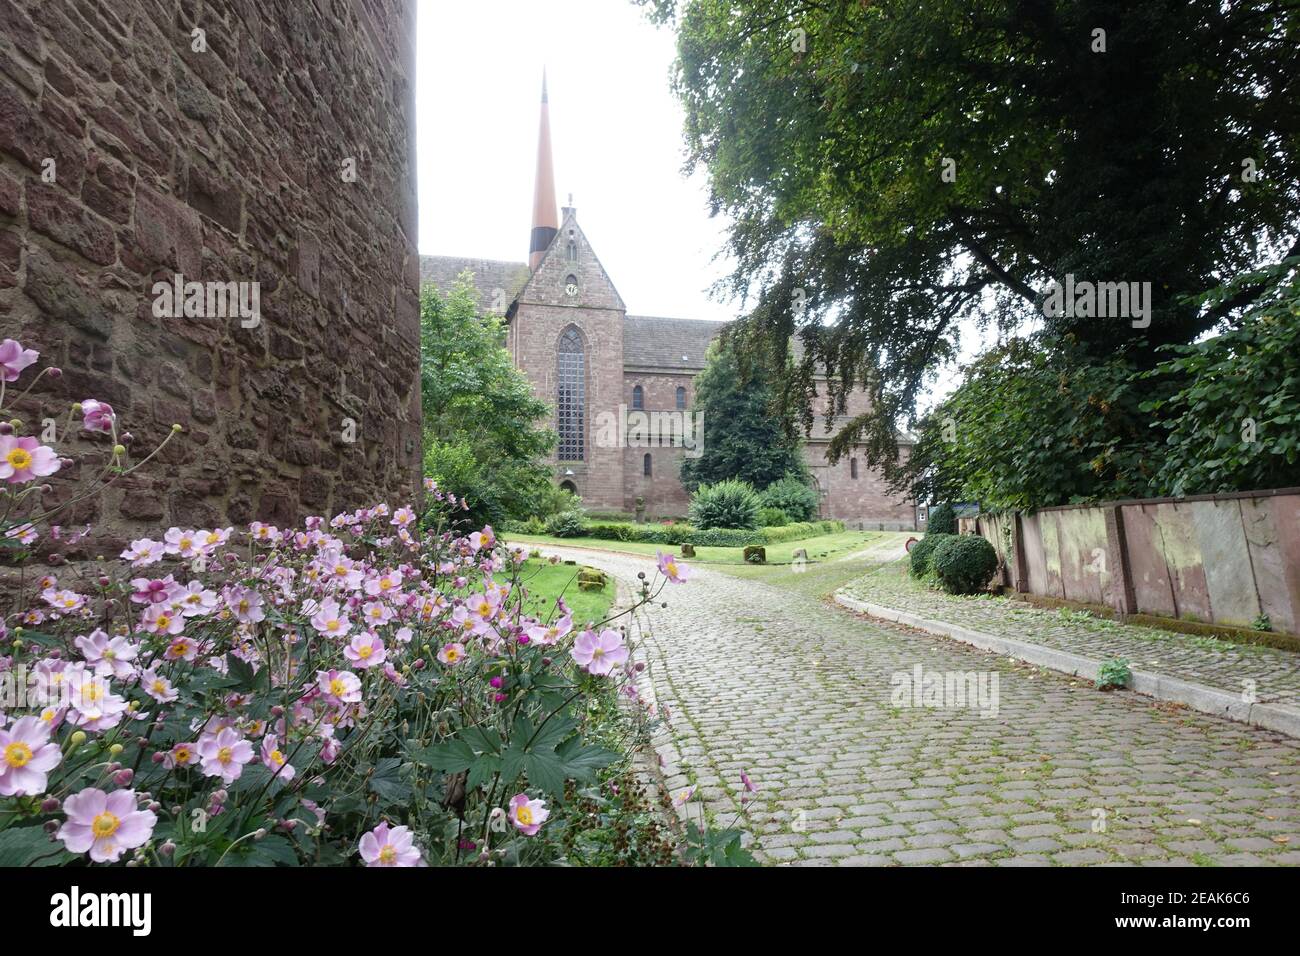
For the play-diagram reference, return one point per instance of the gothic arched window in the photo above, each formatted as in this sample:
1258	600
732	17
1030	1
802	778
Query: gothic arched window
571	395
681	396
853	468
638	397
646	466
572	254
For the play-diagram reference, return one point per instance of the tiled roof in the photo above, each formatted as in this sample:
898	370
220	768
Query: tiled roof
667	343
489	276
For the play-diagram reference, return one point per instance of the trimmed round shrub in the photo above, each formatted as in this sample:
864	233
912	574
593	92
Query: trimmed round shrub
792	496
943	520
964	563
923	550
566	524
773	518
727	504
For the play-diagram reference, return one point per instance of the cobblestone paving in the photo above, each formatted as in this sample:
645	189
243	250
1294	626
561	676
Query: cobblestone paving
775	682
1204	660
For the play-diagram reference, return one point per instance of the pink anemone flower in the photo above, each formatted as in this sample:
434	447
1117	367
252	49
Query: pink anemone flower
105	824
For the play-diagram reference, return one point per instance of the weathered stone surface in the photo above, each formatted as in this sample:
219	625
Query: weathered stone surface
221	165
758	675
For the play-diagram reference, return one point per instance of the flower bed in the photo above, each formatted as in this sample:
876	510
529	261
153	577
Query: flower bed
366	689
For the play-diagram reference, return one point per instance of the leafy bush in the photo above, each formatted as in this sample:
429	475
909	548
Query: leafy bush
363	689
793	496
1036	422
943	520
554	500
677	534
485	433
964	563
922	551
772	517
727	504
567	524
1114	673
1231	420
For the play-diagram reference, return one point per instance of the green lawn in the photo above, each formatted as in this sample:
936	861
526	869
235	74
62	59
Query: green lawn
545	582
826	547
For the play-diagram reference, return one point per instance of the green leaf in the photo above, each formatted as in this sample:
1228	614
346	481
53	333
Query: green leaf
272	850
242	673
387	781
31	846
451	756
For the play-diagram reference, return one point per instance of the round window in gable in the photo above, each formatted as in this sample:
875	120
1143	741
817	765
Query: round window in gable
571	286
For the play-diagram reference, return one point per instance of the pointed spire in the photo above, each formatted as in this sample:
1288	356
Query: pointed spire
546	221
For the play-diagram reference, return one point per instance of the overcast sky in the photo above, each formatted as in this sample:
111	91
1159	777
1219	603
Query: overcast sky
616	130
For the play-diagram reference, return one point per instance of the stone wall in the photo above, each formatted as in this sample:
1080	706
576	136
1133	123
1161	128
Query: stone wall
663	492
863	501
1226	559
221	157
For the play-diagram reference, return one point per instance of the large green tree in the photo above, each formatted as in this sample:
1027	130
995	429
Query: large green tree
894	167
483	428
742	438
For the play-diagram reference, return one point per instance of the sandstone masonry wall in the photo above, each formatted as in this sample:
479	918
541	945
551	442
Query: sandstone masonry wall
222	165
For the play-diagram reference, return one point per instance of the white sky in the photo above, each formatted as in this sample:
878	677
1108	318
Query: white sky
616	131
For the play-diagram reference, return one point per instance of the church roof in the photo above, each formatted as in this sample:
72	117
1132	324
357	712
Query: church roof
657	342
489	275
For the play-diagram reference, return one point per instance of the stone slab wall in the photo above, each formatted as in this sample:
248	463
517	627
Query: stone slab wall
133	149
1220	559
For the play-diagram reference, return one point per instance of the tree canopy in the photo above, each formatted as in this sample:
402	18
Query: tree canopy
483	430
742	438
894	167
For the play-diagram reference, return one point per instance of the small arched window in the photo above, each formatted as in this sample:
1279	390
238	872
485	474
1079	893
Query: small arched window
681	396
853	468
638	397
572	252
647	467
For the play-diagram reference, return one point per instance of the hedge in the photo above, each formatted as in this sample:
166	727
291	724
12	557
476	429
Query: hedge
923	550
676	534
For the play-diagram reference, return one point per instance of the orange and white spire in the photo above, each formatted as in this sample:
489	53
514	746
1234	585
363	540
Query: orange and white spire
546	221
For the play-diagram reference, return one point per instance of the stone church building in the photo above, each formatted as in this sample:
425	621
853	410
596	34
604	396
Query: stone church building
569	331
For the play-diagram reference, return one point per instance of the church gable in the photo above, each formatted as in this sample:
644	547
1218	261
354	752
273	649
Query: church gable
570	274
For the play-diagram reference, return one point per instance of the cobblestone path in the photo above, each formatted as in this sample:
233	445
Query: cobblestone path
773	681
1273	675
